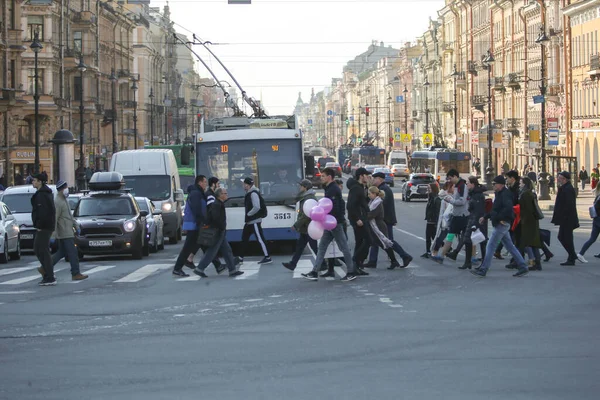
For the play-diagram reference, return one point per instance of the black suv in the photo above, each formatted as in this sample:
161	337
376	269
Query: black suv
417	186
109	219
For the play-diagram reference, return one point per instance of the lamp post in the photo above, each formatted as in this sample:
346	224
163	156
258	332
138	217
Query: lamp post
426	84
167	103
82	68
488	61
367	121
405	91
359	114
390	120
113	82
151	96
36	46
377	119
541	40
134	87
455	76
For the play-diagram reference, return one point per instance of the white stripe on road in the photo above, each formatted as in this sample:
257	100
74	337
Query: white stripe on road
340	271
303	267
250	270
10	271
143	272
19	292
28	278
96	270
410	234
418	271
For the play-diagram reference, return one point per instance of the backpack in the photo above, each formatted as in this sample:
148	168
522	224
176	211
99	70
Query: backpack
262	213
488	205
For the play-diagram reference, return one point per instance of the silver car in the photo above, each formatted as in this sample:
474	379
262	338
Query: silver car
155	224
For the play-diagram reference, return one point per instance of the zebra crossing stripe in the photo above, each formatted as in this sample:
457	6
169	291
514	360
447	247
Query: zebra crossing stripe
10	271
29	278
250	269
143	272
303	267
95	270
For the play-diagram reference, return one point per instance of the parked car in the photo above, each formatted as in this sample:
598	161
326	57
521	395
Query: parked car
73	200
389	177
416	186
322	161
10	246
336	167
154	223
401	170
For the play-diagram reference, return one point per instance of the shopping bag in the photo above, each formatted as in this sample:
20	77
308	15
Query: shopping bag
477	237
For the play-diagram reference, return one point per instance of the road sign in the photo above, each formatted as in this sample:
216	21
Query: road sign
329	112
406	137
397	137
352	118
328	120
310	121
427	138
553	135
538	99
552	123
397	130
399	99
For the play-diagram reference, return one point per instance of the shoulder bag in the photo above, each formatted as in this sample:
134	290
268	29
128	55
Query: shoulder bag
593	212
538	211
207	236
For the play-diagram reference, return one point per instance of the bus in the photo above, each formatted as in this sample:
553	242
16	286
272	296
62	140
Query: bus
367	155
270	152
438	162
187	174
343	152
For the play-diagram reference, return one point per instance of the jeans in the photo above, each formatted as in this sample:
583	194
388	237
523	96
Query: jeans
66	248
501	234
338	235
565	237
221	246
583	184
41	248
301	243
593	236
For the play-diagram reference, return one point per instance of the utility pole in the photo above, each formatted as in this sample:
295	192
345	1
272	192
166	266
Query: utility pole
541	40
455	75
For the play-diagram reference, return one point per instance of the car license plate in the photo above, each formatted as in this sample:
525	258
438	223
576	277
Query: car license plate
100	243
27	236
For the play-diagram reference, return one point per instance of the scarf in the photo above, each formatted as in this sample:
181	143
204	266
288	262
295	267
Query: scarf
385	241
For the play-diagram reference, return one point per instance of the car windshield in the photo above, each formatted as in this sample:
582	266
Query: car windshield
73	201
276	165
384	170
143	205
103	205
18	202
154	187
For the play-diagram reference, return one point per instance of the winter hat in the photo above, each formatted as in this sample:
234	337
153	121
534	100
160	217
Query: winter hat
61	185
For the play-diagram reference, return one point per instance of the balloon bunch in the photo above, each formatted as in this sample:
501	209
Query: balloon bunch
318	212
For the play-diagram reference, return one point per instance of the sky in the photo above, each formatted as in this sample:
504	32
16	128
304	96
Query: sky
277	48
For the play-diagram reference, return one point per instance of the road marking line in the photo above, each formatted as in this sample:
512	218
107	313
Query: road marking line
303	267
396	305
252	300
418	271
409	234
9	271
385	300
250	270
228	305
143	272
340	271
97	269
19	292
28	278
274	296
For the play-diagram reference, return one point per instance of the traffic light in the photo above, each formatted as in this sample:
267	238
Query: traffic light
391	140
359	140
347	121
199	116
367	111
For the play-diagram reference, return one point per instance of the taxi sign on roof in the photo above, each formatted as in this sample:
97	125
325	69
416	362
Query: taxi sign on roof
268	124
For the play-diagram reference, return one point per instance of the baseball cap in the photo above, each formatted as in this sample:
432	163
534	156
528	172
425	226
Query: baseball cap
500	179
361	171
248	181
378	175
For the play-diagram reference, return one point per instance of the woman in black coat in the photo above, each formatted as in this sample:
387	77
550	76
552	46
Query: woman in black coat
476	212
432	212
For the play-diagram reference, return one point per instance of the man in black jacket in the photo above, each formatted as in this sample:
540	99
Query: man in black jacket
217	218
565	215
358	207
389	217
502	216
43	215
333	192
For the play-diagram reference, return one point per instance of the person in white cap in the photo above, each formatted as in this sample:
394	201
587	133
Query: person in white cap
65	232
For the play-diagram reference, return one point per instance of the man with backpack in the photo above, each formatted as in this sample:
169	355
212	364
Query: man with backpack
256	210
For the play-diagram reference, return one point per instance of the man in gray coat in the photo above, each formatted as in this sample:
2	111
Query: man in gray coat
64	232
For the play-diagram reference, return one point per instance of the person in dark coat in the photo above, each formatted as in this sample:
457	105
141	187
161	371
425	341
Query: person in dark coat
432	213
583	177
43	216
476	212
376	217
565	215
528	238
357	207
301	225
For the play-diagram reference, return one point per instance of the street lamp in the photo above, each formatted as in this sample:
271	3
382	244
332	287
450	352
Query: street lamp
377	119
167	103
425	85
405	91
36	46
455	76
488	61
390	142
151	96
367	121
113	82
134	87
82	68
541	40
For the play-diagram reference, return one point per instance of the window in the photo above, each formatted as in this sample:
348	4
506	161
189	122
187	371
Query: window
77	88
11	14
78	42
31	80
24	133
35	23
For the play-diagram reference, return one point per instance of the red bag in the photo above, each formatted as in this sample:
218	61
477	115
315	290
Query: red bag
517	210
488	205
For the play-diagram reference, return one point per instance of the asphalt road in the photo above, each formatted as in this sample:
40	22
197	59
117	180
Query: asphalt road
132	331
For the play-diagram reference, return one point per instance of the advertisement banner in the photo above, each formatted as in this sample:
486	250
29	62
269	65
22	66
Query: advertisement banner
497	135
534	137
483	140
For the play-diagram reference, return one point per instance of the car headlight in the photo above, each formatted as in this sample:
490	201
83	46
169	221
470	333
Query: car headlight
167	207
129	226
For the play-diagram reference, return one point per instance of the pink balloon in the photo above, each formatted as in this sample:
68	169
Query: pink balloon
326	204
330	222
315	230
317	213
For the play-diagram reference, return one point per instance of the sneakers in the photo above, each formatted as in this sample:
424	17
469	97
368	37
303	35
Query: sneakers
189	264
597	255
438	259
406	261
265	260
478	272
220	268
289	266
311	276
327	275
521	272
79	277
236	273
201	274
179	272
41	271
348	278
581	258
48	282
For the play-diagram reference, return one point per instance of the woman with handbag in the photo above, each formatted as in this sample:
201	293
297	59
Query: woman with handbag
378	226
476	212
444	216
595	214
528	234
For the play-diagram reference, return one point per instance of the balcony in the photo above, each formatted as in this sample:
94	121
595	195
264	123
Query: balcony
498	84
512	123
478	100
472	67
60	102
85	17
555	90
448	107
512	81
461	80
99	109
128	104
594	71
123	73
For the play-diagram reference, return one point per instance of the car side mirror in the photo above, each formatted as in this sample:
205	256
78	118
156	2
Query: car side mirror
157	212
144	213
179	195
10	217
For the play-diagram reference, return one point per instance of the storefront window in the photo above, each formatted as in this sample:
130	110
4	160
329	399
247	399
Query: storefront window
24	133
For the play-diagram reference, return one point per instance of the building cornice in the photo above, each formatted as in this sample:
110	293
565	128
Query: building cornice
580	7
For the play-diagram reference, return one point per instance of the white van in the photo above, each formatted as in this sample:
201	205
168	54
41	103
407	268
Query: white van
398	163
153	173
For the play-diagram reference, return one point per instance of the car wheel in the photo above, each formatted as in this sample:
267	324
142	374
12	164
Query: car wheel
4	254
408	198
173	239
17	254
